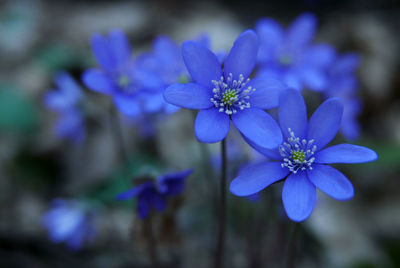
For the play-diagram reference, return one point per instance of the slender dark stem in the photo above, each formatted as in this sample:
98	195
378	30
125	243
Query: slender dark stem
219	254
118	136
151	240
291	248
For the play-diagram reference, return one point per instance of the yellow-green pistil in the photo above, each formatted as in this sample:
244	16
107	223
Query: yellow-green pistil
229	97
123	81
298	156
285	60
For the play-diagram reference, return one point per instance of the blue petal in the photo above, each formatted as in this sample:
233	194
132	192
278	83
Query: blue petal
159	202
102	52
70	125
345	153
143	206
347	63
270	33
298	196
166	50
201	63
127	105
56	101
258	126
131	193
315	79
320	56
69	88
266	94
97	81
269	153
331	181
301	31
254	178
120	47
293	113
325	122
211	125
152	103
243	55
190	96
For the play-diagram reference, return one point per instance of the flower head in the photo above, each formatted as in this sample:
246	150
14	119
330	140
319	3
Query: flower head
289	56
153	194
66	101
68	221
116	76
343	83
302	157
228	93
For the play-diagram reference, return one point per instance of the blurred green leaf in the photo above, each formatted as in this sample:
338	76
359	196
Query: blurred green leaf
17	113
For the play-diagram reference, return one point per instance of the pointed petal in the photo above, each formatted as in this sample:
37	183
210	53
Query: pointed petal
331	181
127	105
270	33
98	81
298	196
266	94
315	79
292	113
254	178
131	193
159	202
102	52
258	126
269	153
190	96
243	55
301	31
211	125
325	122
201	63
120	47
345	153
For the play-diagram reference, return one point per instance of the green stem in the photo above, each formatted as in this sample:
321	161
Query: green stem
219	254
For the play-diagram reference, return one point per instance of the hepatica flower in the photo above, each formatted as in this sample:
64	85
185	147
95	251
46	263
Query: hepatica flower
68	221
289	55
154	194
303	159
343	83
115	77
222	95
66	101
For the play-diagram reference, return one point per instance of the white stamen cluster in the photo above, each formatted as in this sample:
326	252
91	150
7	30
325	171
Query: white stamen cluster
231	95
297	154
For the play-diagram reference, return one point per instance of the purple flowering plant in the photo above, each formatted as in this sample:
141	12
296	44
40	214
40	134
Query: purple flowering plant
69	221
66	100
153	194
289	55
228	94
303	158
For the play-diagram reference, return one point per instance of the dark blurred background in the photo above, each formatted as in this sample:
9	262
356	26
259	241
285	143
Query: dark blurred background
39	38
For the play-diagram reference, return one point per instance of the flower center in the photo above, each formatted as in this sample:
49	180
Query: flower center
123	81
297	154
183	79
285	60
231	95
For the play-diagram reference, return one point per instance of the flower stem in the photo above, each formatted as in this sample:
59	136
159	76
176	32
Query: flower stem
118	136
219	254
151	241
291	248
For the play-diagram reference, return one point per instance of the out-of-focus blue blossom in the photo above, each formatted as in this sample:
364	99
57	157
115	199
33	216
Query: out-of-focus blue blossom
116	75
343	83
66	101
222	95
303	159
153	194
70	222
289	55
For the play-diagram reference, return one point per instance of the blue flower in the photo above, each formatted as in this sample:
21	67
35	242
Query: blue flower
343	83
66	101
116	76
289	55
226	94
303	159
153	194
68	221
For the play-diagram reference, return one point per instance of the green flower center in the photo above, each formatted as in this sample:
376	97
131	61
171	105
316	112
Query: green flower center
298	156
183	79
285	60
123	81
229	97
